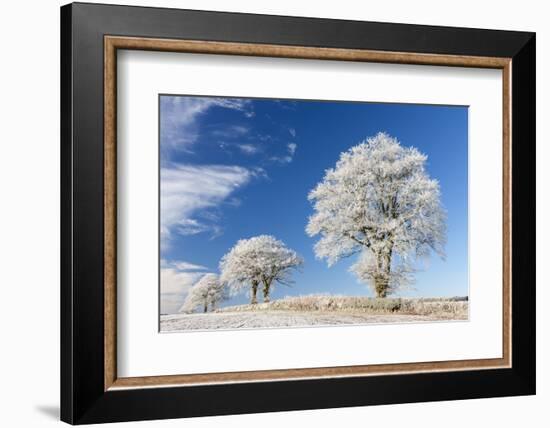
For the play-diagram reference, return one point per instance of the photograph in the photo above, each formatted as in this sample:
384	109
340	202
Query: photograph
278	213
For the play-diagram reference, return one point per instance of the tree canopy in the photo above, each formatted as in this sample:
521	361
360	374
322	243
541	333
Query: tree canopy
259	260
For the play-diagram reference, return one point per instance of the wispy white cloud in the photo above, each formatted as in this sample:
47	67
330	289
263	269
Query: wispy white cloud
248	149
190	226
292	148
287	104
176	279
234	202
292	132
281	159
258	171
181	265
230	132
188	190
170	303
264	137
289	157
179	117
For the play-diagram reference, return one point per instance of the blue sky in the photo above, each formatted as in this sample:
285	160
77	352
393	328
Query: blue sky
234	168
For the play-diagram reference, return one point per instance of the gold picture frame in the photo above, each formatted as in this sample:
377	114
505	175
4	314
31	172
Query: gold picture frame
114	43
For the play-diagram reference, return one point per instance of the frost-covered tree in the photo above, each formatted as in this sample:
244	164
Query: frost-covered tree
276	262
380	203
207	292
240	271
259	260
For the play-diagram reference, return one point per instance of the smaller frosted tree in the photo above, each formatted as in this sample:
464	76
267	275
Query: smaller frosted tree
240	271
259	260
277	262
207	292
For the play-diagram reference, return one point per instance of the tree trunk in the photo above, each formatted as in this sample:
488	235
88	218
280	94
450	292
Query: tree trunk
266	290
253	299
382	280
205	306
381	287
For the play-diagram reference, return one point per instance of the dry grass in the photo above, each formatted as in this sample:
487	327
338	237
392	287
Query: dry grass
444	307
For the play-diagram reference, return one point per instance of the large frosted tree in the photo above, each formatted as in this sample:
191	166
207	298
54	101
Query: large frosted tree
261	260
378	202
207	292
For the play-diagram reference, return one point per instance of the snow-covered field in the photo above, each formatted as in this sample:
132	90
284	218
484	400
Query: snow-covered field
266	319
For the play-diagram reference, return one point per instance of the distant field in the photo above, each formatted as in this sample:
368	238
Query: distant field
317	310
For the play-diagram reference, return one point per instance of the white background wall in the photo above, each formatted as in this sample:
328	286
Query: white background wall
29	214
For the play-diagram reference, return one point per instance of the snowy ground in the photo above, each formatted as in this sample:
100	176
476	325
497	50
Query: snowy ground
264	319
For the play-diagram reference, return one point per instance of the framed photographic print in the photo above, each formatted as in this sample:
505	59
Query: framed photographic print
266	213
